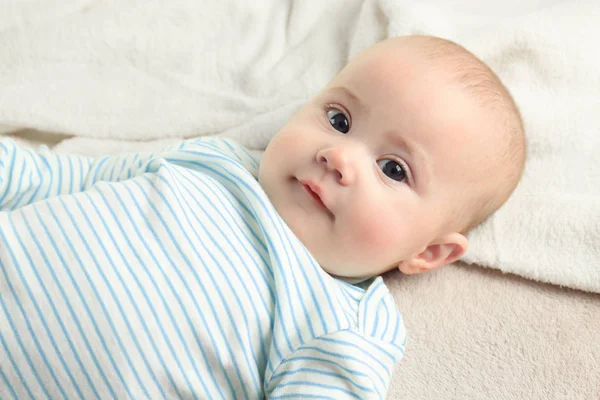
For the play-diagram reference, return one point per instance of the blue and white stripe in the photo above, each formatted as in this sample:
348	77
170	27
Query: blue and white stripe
170	275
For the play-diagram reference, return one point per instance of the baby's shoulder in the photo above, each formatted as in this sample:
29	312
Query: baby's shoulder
217	150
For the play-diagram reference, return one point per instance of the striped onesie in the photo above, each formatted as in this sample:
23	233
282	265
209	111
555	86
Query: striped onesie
171	275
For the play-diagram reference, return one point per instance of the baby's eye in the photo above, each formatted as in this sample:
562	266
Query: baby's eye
392	169
338	120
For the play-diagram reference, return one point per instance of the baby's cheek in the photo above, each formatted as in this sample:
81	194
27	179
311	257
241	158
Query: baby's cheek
376	233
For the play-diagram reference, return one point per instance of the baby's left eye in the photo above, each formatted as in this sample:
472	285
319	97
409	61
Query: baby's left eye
392	169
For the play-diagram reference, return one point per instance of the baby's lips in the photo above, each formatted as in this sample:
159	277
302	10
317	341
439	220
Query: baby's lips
316	191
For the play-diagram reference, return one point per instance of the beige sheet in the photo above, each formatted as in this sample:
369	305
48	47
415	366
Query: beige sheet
476	333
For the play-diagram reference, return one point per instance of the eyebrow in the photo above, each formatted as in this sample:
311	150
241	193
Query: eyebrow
344	91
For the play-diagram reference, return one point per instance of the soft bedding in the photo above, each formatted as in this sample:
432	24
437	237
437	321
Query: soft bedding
140	70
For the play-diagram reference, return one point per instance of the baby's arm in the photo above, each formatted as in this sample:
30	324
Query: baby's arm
342	365
27	175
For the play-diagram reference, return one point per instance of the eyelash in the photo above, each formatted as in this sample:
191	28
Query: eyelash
403	164
338	107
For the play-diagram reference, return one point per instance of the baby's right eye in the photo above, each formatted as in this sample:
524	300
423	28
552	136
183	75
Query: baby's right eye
338	120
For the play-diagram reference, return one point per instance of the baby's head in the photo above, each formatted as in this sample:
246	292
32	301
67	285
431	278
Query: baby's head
411	145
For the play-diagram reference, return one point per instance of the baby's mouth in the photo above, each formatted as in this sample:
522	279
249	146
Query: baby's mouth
314	191
313	194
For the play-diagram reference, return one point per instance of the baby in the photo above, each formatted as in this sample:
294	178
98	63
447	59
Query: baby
196	273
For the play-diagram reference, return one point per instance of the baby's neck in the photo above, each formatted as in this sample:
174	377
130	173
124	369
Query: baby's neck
360	282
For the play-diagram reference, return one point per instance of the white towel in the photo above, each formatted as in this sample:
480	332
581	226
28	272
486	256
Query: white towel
143	70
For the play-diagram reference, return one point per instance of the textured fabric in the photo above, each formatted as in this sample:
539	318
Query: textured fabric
170	275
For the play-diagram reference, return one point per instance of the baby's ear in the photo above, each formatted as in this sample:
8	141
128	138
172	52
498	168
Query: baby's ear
445	250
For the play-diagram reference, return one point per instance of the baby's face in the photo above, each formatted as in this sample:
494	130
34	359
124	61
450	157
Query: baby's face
366	173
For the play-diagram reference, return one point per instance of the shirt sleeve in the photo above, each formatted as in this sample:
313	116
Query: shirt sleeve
352	363
28	176
342	365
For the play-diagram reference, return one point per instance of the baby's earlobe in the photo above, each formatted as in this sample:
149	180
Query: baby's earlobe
411	267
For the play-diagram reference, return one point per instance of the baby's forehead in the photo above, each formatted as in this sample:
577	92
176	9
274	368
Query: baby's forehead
392	73
417	56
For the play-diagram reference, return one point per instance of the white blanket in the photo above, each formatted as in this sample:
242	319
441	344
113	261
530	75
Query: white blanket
143	70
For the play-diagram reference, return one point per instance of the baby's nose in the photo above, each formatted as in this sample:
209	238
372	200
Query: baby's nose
341	160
